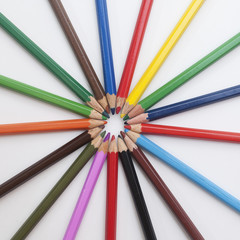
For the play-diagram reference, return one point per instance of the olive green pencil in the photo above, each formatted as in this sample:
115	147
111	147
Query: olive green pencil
50	98
59	188
48	62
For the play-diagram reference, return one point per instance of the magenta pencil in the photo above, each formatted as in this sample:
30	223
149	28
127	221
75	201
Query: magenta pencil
87	190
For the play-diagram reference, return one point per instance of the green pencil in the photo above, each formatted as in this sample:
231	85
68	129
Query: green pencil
59	188
48	62
183	77
50	98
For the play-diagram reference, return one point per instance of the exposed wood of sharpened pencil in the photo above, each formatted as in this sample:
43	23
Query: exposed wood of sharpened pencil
163	189
112	185
136	191
49	63
58	189
45	96
184	132
80	53
48	161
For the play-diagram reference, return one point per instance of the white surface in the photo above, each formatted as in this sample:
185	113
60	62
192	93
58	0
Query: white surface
216	22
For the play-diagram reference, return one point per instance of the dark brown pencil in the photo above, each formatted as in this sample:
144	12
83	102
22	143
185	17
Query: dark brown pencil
162	188
49	160
80	53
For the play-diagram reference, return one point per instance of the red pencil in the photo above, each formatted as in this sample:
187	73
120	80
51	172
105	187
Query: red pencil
112	182
133	53
184	132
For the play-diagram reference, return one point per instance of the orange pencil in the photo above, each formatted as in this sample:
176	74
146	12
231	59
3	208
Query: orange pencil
30	127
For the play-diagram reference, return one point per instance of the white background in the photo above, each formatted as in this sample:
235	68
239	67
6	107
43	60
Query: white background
216	22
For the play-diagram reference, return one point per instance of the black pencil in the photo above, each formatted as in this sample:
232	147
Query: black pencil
136	190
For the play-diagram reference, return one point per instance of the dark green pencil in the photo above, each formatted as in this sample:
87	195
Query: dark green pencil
59	188
48	62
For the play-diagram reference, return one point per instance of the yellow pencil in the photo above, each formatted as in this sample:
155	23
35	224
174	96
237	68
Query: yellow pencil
159	59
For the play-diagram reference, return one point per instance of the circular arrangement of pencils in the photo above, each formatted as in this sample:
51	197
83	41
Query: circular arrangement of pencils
128	148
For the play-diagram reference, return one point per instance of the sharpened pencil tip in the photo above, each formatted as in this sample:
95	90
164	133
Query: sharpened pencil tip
122	115
113	138
123	134
103	134
102	127
118	109
105	114
113	111
126	117
126	130
105	122
107	137
126	123
127	127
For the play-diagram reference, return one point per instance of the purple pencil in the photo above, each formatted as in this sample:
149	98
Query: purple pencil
87	190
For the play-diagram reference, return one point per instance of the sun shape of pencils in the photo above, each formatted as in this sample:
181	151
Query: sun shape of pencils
135	113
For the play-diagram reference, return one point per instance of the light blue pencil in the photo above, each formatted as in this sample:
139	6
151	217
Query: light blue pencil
184	169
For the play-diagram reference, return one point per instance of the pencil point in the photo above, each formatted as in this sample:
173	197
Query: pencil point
107	109
123	134
113	138
126	123
126	130
122	115
102	127
105	122
118	109
105	114
107	137
126	117
103	134
104	118
127	127
113	111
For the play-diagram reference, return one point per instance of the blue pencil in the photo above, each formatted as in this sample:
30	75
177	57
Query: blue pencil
106	50
184	169
186	105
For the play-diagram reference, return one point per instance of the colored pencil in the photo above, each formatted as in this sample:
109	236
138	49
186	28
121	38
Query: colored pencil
87	190
80	53
162	188
186	105
184	132
133	53
161	56
48	160
106	50
50	98
112	185
58	189
185	170
185	76
136	190
33	127
50	64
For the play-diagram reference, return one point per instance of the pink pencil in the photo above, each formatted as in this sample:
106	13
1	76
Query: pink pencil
87	190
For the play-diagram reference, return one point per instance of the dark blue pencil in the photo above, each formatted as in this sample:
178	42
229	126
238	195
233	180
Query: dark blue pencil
186	105
106	50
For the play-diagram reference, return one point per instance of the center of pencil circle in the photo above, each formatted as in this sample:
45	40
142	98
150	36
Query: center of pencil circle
115	125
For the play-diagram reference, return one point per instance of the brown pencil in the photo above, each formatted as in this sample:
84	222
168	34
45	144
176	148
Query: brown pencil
162	188
80	53
48	161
